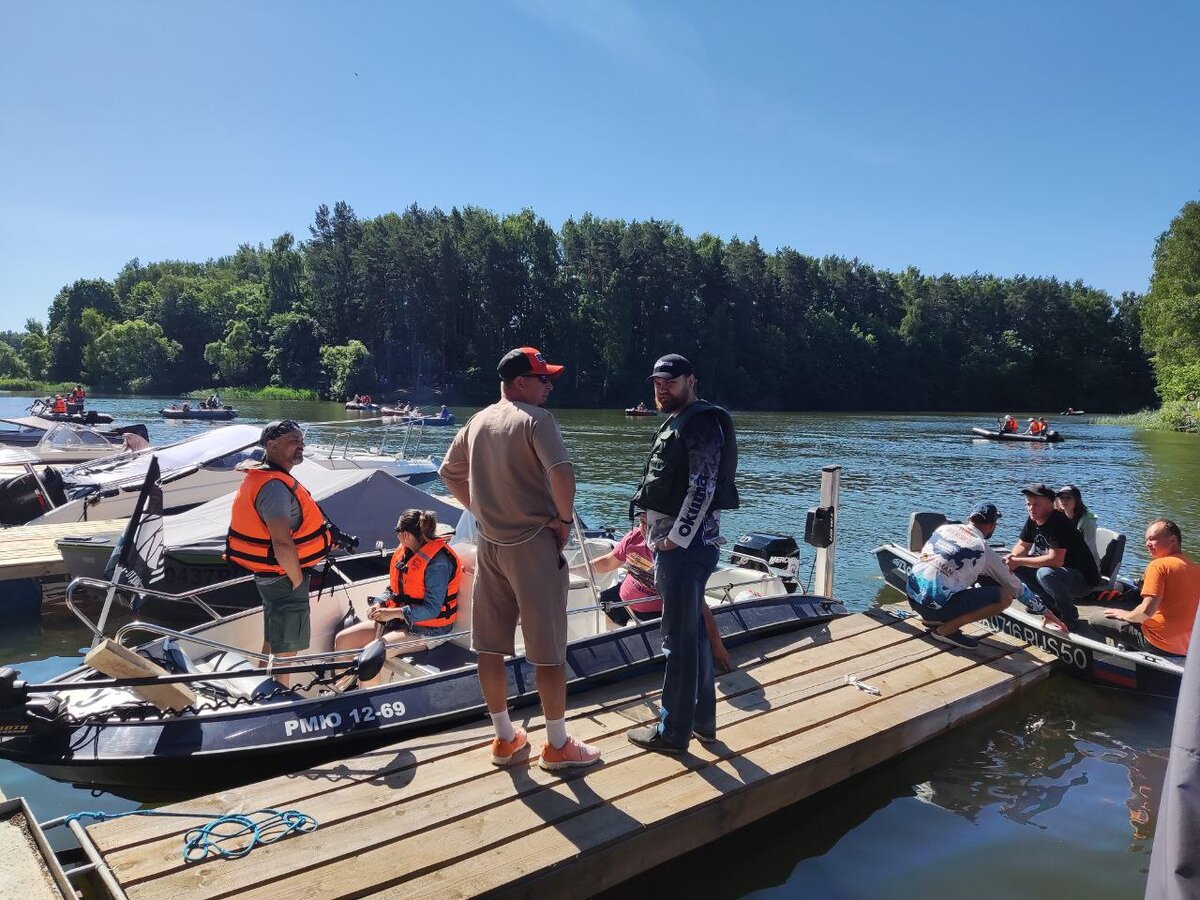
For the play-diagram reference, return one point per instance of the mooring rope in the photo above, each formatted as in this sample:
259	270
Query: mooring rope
207	840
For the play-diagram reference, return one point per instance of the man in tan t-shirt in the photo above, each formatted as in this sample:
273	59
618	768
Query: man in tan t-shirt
508	466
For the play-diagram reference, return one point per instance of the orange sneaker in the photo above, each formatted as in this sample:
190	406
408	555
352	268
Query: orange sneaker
504	751
570	755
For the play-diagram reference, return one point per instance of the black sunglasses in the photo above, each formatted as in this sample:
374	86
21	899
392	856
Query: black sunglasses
544	379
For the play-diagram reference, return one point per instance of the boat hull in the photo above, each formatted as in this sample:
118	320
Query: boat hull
212	415
1081	656
1050	437
141	758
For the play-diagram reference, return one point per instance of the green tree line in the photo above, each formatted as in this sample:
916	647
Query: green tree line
430	299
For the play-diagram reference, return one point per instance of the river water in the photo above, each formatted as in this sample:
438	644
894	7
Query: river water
1054	794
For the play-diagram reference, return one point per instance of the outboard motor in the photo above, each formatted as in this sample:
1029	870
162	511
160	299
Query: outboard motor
775	554
22	499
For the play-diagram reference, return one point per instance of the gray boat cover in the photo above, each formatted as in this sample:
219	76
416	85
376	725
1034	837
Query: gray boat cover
215	447
1174	874
363	502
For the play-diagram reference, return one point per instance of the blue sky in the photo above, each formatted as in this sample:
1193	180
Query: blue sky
1025	137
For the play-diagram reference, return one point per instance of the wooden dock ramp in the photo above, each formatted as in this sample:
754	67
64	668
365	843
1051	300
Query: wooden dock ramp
431	817
30	551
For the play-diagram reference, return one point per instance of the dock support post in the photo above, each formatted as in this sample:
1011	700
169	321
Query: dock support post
831	480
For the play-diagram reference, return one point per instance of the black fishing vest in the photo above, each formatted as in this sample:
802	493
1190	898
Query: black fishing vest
665	477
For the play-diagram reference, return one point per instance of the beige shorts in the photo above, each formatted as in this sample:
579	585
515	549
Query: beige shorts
527	582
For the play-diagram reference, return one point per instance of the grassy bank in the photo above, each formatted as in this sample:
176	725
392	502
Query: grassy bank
1177	415
38	388
264	393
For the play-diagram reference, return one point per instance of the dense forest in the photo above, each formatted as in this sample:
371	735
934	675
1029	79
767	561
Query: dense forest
428	301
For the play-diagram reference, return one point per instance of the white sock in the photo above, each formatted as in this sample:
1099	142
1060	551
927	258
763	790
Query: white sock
503	725
556	732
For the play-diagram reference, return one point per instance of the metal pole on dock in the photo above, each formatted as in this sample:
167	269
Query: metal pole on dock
831	480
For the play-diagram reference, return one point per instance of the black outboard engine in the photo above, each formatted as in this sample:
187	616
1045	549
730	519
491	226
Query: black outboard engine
775	554
22	498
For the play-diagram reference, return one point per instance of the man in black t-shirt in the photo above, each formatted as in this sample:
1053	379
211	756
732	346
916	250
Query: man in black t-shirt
1050	555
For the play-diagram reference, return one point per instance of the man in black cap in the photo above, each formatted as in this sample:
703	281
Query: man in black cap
687	481
943	585
1051	557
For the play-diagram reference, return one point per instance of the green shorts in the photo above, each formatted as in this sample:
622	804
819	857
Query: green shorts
285	613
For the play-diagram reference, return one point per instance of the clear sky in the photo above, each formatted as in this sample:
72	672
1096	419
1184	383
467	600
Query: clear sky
1045	138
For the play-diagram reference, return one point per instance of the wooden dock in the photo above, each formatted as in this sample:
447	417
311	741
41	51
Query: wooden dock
29	551
430	817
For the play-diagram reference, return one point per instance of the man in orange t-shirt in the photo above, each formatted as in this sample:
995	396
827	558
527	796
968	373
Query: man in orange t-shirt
1162	622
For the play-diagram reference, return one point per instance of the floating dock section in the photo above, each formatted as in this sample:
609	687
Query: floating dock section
29	551
431	817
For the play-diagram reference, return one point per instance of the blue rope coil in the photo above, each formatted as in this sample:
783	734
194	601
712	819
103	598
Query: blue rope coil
263	826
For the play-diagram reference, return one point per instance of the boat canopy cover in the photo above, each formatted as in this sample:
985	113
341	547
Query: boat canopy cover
363	502
1173	871
30	422
211	447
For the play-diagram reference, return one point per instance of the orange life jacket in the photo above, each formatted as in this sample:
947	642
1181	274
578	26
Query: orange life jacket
248	542
408	581
60	405
1036	427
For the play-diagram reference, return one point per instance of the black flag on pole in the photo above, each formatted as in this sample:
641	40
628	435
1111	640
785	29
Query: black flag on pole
139	554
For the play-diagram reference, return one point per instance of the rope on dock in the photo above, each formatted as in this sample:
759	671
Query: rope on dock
201	843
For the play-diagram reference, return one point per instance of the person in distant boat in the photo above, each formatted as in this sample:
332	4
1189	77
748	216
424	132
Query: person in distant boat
1070	410
60	405
638	559
1069	501
1034	427
173	406
277	531
1051	557
214	402
942	586
421	599
133	442
509	466
445	413
1010	426
78	395
1162	622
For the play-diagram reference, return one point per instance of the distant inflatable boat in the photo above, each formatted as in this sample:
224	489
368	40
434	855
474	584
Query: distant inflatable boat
634	411
211	414
1050	437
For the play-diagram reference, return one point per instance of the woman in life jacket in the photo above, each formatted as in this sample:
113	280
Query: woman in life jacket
422	597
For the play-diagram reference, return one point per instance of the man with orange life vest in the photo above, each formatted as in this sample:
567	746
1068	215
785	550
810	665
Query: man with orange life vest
1010	426
278	532
60	405
422	597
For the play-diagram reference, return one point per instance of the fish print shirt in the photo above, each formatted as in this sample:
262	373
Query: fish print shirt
953	560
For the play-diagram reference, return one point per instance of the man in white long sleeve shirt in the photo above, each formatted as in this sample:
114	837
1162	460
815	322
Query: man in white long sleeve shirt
943	588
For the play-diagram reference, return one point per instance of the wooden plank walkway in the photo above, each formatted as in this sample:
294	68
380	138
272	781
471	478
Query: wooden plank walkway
432	818
29	551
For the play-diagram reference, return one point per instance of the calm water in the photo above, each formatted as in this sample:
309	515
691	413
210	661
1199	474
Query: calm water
1052	795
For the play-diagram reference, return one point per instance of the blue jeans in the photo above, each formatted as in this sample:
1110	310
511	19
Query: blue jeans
1059	587
689	697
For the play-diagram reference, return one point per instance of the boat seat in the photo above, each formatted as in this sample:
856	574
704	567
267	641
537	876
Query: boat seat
921	525
1110	550
460	633
254	684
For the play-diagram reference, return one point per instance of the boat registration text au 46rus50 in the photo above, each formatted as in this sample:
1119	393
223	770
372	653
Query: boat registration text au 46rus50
335	721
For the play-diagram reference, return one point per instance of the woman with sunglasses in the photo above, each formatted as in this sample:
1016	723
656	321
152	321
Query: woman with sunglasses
1069	501
422	597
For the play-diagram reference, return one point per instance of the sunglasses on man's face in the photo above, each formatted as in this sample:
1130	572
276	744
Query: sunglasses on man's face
544	379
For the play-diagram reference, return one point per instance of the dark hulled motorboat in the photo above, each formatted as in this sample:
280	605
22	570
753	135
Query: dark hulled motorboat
109	737
1082	653
1050	437
223	414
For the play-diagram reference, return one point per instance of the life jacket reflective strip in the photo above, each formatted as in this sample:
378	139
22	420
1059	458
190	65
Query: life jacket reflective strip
248	542
408	581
